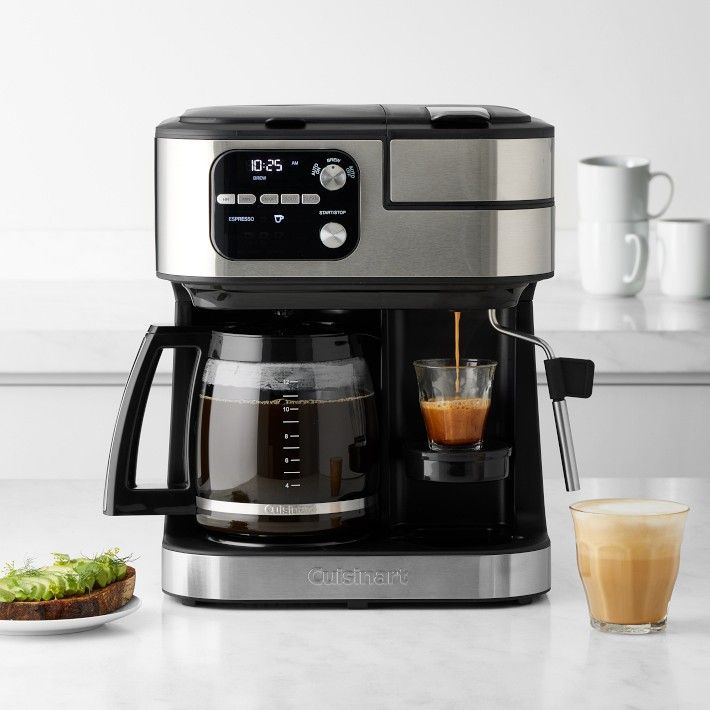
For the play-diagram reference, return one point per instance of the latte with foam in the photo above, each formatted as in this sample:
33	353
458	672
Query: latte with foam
628	554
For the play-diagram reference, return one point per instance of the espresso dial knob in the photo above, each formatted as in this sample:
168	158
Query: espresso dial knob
333	235
332	177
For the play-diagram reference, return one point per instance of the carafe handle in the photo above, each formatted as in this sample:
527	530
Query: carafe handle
121	496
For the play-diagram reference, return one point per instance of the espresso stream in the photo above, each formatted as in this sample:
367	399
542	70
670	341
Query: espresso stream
457	354
458	421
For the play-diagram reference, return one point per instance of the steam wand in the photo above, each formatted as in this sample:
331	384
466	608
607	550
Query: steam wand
565	377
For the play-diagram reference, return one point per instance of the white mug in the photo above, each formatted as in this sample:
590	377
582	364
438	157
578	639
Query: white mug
684	257
613	257
614	188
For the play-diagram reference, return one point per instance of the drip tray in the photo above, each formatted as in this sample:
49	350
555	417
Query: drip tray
484	538
489	463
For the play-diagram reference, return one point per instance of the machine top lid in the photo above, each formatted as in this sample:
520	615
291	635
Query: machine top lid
286	113
299	121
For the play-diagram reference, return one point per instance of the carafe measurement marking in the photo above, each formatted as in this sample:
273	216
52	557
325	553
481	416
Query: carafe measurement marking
288	410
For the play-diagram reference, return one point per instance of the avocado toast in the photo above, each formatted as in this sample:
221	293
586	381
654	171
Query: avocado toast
67	589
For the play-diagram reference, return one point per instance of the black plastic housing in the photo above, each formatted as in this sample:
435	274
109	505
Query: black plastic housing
491	502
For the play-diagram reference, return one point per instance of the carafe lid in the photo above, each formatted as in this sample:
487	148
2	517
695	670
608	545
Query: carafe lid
283	347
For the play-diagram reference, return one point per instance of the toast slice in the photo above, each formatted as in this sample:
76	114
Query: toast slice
97	602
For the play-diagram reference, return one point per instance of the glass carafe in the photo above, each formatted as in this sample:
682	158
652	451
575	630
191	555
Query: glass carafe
287	438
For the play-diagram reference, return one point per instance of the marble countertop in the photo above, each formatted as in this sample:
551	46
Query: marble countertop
649	334
544	655
93	328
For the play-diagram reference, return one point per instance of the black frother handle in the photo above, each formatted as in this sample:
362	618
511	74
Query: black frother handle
122	497
569	377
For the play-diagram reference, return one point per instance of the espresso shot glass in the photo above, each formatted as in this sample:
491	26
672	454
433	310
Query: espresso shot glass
454	401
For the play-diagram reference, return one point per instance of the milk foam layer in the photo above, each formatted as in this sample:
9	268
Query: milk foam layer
629	506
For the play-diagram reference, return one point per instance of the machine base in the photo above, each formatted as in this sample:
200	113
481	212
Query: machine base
356	580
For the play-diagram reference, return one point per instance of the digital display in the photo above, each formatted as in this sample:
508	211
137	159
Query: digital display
266	165
273	204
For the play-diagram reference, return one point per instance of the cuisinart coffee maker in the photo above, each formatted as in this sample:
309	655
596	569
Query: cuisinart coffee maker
315	252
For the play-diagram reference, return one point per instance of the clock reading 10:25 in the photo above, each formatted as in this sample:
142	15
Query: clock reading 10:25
268	165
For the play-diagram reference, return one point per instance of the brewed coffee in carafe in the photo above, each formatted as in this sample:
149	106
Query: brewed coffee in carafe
287	447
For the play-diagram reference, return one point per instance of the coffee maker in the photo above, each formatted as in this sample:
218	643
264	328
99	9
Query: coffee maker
314	253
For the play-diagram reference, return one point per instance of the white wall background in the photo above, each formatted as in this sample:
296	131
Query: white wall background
83	83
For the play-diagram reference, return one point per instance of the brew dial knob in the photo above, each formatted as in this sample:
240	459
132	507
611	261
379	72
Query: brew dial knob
332	177
333	235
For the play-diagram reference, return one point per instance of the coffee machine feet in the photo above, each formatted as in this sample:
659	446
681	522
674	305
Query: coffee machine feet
524	601
358	604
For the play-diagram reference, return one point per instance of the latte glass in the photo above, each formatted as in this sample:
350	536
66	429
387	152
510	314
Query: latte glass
628	553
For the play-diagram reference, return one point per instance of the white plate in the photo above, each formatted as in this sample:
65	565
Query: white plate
8	627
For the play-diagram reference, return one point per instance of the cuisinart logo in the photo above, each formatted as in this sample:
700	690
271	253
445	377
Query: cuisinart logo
364	577
291	509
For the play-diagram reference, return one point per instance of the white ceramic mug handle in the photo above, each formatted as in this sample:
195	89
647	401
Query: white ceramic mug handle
670	194
636	240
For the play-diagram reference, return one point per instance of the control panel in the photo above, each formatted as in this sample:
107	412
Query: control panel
285	204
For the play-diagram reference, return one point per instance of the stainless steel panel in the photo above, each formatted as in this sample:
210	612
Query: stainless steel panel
393	243
476	170
331	577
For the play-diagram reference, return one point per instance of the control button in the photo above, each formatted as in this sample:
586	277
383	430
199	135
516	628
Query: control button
332	177
269	198
245	198
310	199
333	235
290	198
225	199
